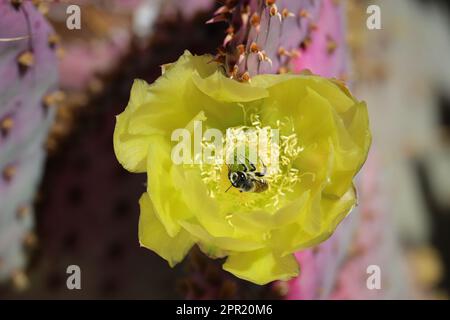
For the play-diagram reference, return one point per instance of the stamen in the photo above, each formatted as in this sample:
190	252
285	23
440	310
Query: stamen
281	179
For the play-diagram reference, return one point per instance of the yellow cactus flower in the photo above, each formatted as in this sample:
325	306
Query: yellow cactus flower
323	141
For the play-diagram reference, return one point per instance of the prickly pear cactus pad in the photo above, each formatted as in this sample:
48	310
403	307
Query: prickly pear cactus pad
258	225
28	75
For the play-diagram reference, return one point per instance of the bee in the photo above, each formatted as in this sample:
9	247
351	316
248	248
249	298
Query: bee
248	179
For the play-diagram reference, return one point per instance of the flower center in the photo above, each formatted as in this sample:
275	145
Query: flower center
258	168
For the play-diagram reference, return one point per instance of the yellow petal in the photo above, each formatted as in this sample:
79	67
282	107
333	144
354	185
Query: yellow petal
207	210
153	235
221	88
337	209
261	266
131	150
140	94
329	90
224	243
175	97
263	221
164	192
359	128
316	120
332	211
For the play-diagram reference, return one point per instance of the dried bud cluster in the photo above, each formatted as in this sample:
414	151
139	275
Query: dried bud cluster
263	36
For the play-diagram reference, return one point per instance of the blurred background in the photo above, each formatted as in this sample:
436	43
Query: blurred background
65	200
